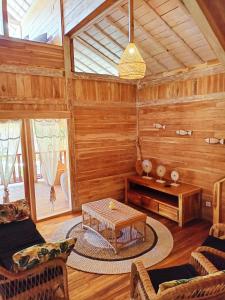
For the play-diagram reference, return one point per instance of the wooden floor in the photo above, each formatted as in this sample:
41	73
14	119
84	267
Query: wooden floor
86	286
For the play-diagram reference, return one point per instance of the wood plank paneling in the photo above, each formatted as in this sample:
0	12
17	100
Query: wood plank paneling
197	162
105	132
31	92
22	53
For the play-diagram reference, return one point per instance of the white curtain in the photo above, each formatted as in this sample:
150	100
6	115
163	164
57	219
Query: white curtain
10	131
50	136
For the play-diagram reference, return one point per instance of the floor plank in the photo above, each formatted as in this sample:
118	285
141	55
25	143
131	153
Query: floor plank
86	286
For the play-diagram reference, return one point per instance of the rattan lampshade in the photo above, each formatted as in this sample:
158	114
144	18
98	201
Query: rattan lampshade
131	65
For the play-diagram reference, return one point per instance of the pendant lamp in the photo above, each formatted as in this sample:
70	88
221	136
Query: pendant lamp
131	65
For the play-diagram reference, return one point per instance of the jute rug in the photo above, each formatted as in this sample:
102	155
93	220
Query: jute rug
93	254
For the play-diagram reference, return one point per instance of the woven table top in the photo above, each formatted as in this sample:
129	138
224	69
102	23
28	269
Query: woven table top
122	215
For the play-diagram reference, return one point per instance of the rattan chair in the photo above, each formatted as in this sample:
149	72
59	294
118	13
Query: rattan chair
47	281
210	287
214	247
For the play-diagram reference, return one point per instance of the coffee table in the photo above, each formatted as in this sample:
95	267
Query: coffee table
111	223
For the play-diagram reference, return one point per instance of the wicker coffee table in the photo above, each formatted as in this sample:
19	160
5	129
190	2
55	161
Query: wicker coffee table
111	224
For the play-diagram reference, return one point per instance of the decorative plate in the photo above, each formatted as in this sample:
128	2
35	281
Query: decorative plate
174	175
161	171
147	166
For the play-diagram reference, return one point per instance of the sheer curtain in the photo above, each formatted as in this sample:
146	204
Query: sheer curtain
50	136
10	131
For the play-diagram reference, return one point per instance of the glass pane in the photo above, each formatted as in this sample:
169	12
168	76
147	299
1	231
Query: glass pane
48	154
35	20
16	186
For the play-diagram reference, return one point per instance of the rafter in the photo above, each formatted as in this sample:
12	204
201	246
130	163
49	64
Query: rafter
110	21
150	7
93	61
97	52
153	40
108	36
102	45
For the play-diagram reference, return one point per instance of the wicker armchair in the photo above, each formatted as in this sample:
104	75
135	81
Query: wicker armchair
214	246
218	230
46	281
210	287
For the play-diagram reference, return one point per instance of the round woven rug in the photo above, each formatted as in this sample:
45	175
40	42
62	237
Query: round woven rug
93	254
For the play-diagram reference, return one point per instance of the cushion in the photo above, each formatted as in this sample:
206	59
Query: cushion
214	242
169	284
159	276
216	260
37	254
17	236
14	211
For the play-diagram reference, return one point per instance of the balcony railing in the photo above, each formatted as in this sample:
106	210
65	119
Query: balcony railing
18	175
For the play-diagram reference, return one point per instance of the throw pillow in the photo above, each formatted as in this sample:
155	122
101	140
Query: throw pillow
173	283
38	254
14	211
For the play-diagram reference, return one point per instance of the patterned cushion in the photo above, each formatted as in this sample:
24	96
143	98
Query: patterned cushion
169	284
14	211
35	255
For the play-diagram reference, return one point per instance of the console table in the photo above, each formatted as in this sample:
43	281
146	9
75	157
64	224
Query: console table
181	203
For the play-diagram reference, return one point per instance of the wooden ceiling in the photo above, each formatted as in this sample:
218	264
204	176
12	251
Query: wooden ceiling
17	9
165	33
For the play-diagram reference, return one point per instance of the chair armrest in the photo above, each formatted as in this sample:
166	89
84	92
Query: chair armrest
201	264
218	230
210	287
211	250
8	275
141	286
47	278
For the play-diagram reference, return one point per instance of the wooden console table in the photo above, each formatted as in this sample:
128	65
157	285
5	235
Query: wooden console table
180	204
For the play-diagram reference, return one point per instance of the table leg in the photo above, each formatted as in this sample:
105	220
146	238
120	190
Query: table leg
115	240
144	235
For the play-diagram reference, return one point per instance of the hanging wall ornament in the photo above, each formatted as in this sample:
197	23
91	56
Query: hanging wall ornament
184	132
212	140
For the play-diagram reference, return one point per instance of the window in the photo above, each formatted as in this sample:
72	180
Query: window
34	20
1	19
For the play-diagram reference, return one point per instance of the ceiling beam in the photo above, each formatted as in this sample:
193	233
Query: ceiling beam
92	61
150	7
152	39
96	51
103	8
201	20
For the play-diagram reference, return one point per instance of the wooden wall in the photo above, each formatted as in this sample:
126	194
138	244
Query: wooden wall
20	53
197	105
43	17
105	132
